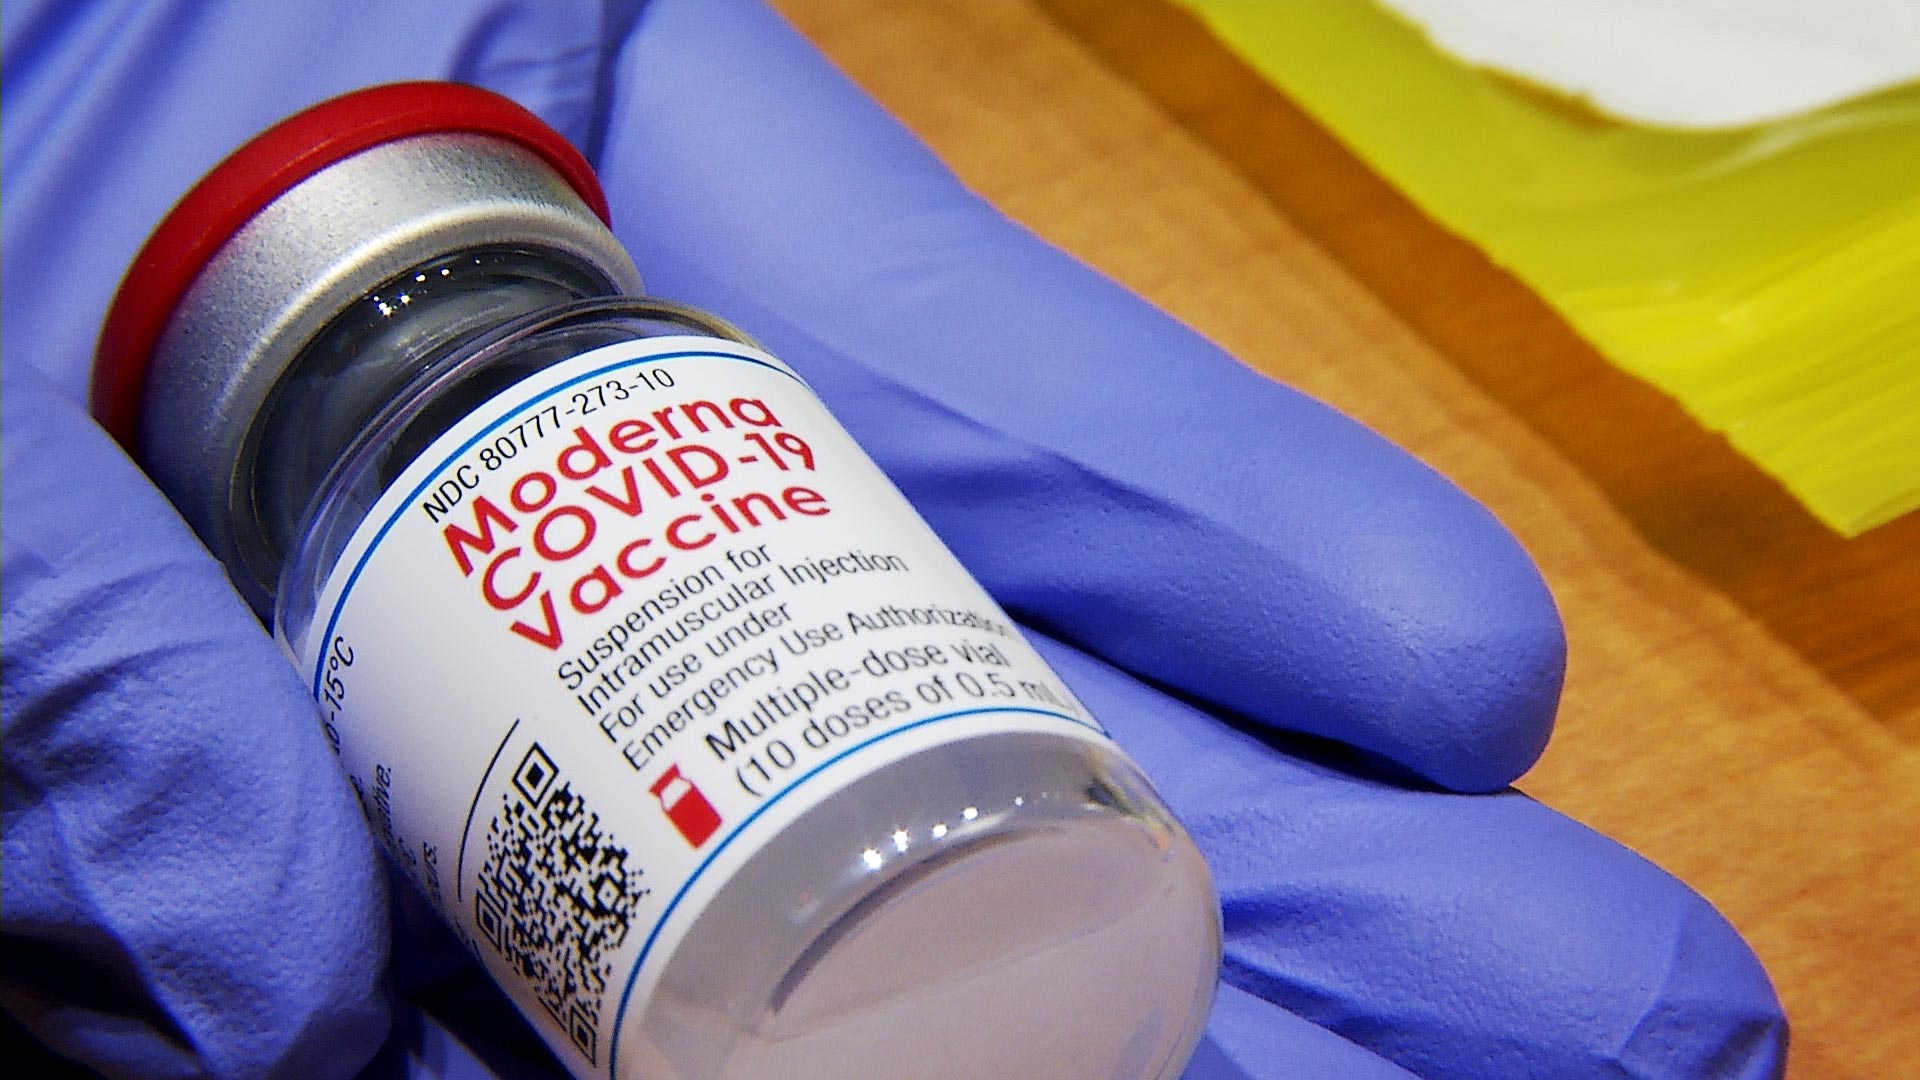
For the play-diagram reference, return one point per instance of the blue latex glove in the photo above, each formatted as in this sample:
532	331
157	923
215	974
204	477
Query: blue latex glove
1331	661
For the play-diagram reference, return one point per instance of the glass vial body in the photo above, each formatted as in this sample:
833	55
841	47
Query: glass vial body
704	745
690	727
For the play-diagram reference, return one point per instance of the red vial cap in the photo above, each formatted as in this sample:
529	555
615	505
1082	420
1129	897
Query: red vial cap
260	172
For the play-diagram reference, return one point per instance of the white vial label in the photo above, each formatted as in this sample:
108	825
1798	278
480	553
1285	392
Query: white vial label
612	630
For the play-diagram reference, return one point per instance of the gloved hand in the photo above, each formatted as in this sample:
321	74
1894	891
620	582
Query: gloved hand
1330	661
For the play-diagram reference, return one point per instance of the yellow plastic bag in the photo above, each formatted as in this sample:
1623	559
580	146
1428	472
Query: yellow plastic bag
1768	277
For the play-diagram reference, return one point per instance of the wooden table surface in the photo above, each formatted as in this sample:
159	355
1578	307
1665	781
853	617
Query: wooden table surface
1743	694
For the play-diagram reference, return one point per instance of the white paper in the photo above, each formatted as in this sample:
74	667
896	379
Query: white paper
1685	63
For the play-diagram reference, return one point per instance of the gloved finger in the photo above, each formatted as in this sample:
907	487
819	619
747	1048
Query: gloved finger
450	1018
1248	1038
114	109
1460	936
1110	475
453	1022
190	888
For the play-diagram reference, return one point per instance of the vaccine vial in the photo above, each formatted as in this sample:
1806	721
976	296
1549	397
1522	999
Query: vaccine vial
664	696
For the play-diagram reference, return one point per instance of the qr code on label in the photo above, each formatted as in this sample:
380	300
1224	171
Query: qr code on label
556	896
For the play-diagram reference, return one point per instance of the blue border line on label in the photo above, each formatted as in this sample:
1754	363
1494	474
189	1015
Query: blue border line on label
333	620
640	959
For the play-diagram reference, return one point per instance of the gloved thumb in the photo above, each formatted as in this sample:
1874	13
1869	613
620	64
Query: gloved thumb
190	888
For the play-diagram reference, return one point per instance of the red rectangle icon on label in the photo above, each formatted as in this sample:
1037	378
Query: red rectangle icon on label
689	810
